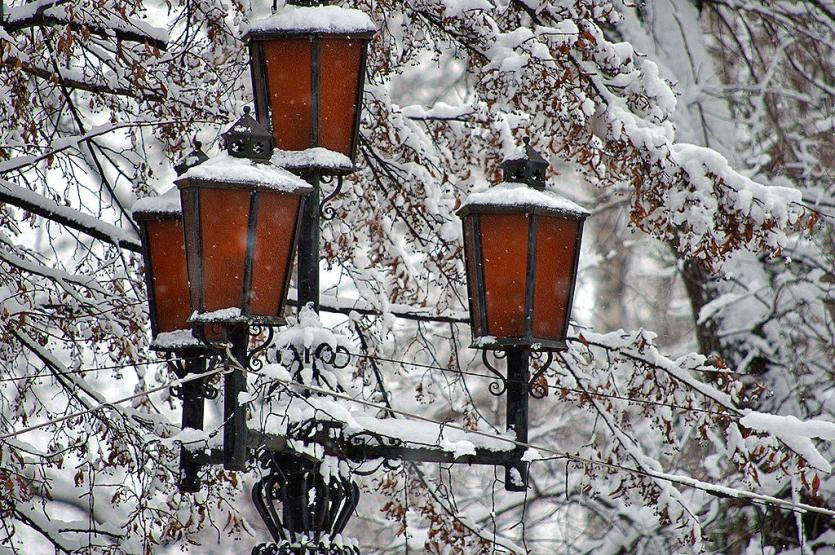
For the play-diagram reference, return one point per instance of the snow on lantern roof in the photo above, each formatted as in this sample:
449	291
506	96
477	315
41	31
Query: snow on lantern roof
317	19
224	168
317	157
521	196
166	204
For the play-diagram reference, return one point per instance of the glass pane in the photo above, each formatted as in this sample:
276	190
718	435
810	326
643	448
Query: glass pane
289	77
504	242
224	215
274	236
470	257
339	80
556	243
170	281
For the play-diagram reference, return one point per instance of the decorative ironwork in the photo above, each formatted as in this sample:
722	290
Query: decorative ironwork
313	358
498	386
327	212
302	510
537	386
255	332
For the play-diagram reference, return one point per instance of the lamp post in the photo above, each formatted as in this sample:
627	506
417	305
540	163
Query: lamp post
522	247
244	211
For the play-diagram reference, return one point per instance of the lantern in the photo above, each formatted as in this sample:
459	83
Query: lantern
522	246
308	69
240	218
164	254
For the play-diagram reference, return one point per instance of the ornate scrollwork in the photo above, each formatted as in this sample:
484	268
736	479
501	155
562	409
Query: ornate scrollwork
537	385
327	212
296	360
256	332
365	469
330	356
499	385
361	439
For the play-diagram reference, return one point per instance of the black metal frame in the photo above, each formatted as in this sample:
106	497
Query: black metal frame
481	341
260	84
194	260
191	393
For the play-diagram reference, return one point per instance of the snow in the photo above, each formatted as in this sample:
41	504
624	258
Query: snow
166	204
522	196
222	315
796	434
38	204
439	111
317	157
318	19
177	339
191	435
225	168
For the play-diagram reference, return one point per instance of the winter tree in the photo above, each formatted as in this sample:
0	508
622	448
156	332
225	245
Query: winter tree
691	413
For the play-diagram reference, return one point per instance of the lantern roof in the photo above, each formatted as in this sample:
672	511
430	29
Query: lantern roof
166	204
193	158
225	169
247	138
519	197
326	20
316	158
525	165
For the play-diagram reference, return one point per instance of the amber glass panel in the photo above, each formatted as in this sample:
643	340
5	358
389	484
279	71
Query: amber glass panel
504	244
470	257
556	243
289	76
274	236
339	80
170	281
224	215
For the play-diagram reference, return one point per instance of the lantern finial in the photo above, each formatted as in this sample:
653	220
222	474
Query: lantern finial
247	138
526	165
193	158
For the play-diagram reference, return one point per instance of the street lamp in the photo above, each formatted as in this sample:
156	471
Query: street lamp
240	218
243	212
308	68
521	248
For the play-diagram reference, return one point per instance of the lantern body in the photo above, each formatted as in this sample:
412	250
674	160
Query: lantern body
308	70
164	255
241	222
522	250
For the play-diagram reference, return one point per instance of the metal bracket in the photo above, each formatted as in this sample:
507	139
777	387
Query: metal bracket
536	388
499	385
327	212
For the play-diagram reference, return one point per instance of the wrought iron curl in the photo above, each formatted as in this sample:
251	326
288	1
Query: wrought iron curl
255	331
538	388
327	212
330	356
358	439
499	385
